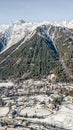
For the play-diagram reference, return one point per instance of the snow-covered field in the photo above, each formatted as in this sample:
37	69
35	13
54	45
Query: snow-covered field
6	84
4	111
62	118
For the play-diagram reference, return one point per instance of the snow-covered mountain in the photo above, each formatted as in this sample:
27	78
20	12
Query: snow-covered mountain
14	32
36	49
68	24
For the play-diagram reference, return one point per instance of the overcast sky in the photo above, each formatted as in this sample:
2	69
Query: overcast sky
35	10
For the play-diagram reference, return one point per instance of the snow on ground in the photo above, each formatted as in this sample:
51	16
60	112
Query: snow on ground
33	111
18	128
6	84
4	111
63	118
41	98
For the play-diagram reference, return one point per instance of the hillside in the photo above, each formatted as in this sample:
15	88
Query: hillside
47	49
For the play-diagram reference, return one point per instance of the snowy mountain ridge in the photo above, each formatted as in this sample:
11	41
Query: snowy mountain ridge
12	33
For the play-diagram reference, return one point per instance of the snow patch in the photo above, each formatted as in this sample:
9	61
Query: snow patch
4	111
6	84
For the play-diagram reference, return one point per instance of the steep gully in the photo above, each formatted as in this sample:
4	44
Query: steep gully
65	68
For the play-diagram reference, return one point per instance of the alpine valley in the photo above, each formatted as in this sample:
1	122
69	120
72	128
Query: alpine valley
36	76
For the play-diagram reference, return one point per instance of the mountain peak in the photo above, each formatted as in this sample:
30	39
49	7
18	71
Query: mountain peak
19	29
19	21
67	24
